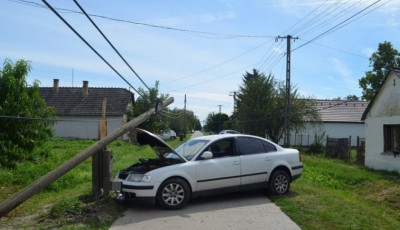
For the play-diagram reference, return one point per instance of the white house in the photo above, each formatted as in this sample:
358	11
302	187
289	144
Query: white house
339	119
79	109
382	126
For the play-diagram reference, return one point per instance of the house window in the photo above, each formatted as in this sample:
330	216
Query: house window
391	138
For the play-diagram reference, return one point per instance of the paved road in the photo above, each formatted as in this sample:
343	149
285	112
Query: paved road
245	210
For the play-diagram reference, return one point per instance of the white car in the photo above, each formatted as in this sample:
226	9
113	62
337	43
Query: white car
229	132
168	135
206	165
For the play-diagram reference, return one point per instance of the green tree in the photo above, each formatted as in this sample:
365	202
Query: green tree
22	115
261	107
215	121
381	61
149	99
179	120
352	98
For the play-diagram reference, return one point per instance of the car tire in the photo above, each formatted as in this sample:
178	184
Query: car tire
173	194
279	182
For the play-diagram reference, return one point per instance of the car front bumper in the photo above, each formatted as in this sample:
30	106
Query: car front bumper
134	192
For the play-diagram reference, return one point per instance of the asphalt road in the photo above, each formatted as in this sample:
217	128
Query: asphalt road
244	210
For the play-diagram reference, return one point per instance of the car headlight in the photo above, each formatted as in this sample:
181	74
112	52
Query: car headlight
138	178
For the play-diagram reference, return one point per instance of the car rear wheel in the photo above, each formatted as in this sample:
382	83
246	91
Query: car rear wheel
279	182
173	194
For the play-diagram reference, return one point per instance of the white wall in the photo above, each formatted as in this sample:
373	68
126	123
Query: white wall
385	110
335	130
84	127
374	156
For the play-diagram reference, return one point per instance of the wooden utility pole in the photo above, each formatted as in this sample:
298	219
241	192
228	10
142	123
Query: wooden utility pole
50	177
102	160
184	118
219	117
287	103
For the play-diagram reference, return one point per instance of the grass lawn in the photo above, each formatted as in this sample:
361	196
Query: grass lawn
331	194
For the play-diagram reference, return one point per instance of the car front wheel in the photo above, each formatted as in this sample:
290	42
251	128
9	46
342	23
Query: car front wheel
173	194
279	182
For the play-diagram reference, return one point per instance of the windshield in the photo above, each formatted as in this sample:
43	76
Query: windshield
190	148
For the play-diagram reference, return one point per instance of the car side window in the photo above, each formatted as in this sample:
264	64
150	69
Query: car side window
249	145
222	148
269	147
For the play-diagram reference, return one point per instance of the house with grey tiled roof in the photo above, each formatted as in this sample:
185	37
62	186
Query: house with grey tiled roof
79	108
339	119
382	126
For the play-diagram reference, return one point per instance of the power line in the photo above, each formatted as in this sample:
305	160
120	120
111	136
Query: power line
195	32
104	36
91	47
336	26
319	23
52	119
219	64
340	50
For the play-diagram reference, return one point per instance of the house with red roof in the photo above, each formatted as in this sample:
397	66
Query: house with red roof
79	109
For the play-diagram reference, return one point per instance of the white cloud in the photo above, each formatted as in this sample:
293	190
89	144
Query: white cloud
344	72
210	18
367	51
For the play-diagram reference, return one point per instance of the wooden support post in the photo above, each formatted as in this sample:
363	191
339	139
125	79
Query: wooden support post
27	192
98	164
107	171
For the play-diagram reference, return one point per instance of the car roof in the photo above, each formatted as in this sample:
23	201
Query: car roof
220	136
215	137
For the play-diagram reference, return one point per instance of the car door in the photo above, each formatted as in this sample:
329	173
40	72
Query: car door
221	171
255	159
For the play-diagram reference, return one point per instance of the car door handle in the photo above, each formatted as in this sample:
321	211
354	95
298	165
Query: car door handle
267	159
236	163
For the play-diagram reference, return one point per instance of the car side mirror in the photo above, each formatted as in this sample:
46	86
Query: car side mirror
207	155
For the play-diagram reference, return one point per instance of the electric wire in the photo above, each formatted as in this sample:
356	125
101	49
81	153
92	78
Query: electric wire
336	26
340	50
358	17
205	34
54	119
316	18
311	12
90	46
219	64
331	19
108	41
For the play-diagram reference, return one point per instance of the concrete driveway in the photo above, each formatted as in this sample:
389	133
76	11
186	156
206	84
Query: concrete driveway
244	210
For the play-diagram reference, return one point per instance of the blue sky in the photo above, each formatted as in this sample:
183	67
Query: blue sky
239	36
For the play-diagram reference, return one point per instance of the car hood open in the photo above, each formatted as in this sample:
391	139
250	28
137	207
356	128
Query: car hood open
143	137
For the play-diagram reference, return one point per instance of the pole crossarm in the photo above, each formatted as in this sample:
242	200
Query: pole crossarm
24	194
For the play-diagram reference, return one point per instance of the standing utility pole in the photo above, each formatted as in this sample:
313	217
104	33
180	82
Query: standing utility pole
234	100
287	106
184	119
219	117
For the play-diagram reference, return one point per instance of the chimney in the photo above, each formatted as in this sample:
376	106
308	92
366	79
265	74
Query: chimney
55	85
85	88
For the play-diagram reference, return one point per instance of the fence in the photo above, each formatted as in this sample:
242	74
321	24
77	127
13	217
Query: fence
360	159
338	147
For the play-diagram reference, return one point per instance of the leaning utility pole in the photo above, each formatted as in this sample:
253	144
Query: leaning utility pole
21	196
287	106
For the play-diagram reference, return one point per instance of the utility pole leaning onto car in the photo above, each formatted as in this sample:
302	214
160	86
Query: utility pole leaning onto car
50	177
